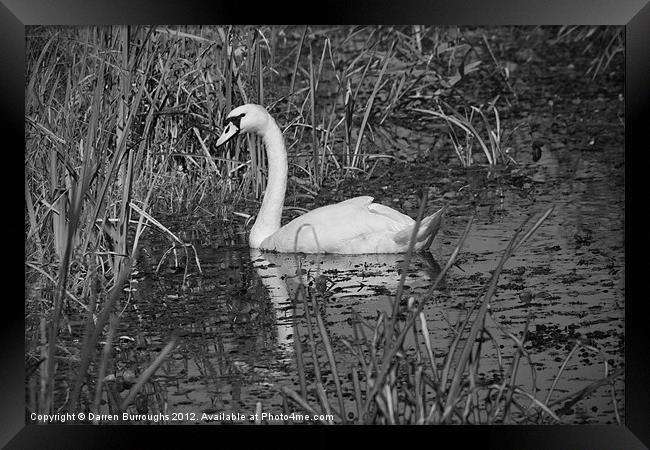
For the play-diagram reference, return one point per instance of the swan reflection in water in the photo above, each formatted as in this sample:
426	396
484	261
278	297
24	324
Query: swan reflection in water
366	282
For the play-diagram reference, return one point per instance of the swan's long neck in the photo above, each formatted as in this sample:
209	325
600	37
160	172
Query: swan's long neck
270	215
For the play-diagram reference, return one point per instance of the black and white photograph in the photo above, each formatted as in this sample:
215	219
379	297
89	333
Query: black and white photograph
406	224
373	215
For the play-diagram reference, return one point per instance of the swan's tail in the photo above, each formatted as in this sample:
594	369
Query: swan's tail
428	229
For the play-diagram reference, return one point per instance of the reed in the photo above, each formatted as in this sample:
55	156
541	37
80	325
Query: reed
464	145
602	43
84	105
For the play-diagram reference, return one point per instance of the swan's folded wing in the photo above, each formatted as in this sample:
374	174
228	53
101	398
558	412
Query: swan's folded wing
396	216
339	228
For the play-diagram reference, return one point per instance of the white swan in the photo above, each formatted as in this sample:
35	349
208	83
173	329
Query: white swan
354	226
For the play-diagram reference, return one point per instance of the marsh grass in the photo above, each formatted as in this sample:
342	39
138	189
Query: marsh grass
487	135
84	114
602	43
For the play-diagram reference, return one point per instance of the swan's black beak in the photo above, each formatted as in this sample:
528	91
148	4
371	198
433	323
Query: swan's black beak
231	129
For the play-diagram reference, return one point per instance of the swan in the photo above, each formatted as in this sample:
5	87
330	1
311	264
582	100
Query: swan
354	226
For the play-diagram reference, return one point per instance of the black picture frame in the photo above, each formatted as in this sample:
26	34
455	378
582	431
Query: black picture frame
634	14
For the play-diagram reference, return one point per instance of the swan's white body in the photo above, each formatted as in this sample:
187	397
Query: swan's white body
354	226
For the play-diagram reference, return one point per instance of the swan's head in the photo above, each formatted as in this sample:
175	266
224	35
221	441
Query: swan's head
244	119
